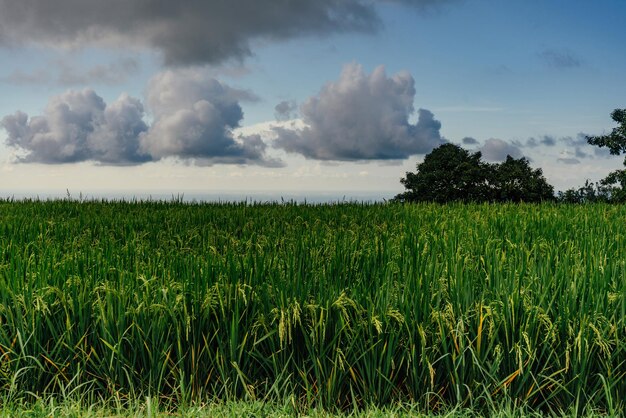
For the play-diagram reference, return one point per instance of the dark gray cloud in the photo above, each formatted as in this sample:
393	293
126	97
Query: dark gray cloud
285	110
560	58
185	32
362	117
193	117
469	141
497	150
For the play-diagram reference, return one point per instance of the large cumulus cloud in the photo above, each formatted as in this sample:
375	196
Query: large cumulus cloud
186	32
362	117
78	126
193	117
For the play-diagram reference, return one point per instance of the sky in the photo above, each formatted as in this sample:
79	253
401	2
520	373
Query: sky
323	99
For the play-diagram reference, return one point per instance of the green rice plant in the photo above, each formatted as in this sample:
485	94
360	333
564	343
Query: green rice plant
338	307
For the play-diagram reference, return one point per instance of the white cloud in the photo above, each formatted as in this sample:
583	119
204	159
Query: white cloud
79	126
362	117
193	119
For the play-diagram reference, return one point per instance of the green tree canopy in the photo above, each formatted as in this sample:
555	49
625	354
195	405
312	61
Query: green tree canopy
516	181
450	173
589	193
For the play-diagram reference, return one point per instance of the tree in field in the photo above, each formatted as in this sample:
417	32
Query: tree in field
615	182
450	173
515	180
589	193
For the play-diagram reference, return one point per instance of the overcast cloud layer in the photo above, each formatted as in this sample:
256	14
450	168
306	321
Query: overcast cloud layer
186	32
193	118
362	117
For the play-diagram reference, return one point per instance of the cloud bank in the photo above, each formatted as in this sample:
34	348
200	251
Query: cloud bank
193	119
185	32
362	117
190	116
576	147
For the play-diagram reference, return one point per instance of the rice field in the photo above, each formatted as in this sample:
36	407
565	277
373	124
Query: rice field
334	307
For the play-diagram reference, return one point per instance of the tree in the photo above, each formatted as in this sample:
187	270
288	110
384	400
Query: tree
589	193
615	182
616	140
450	173
516	181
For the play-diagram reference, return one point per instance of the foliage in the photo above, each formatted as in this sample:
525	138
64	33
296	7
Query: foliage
616	140
589	193
615	182
450	173
330	307
515	181
615	185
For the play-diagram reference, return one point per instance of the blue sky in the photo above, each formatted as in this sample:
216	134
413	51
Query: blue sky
140	98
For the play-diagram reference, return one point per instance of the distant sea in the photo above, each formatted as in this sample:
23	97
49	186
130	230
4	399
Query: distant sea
201	196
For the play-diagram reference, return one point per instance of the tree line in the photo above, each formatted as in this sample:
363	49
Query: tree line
452	174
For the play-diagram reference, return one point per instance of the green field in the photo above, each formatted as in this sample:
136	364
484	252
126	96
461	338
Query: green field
330	307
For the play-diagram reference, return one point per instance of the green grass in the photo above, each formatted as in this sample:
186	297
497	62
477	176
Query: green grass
343	307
